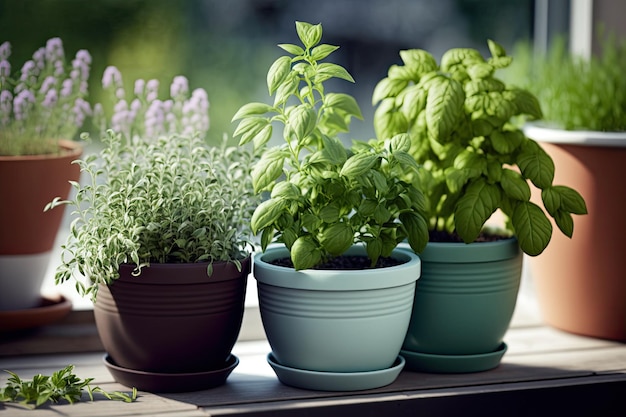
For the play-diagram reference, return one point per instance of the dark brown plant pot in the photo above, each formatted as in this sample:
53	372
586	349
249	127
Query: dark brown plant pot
581	282
173	318
27	184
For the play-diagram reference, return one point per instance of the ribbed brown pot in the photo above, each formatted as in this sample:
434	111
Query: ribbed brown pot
173	318
27	184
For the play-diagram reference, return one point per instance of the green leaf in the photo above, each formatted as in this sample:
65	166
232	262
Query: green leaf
326	71
400	72
565	222
388	120
322	51
399	143
420	61
286	190
444	108
525	102
532	228
496	49
413	102
252	109
514	185
267	213
268	168
278	73
475	207
571	200
406	161
388	87
305	253
310	35
337	238
358	165
374	249
344	102
416	229
301	121
536	164
506	142
291	48
551	200
251	127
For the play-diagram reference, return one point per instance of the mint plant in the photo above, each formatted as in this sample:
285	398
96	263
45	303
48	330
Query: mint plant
473	158
61	385
323	197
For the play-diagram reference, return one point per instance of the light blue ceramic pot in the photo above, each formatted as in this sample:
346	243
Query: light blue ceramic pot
465	297
336	320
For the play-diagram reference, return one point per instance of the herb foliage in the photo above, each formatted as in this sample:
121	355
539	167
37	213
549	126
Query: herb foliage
170	200
324	197
473	158
61	385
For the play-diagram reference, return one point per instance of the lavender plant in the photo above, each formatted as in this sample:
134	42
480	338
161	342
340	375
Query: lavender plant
143	114
45	103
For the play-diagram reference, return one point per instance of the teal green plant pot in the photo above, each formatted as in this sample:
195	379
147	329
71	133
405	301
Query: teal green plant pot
464	300
336	320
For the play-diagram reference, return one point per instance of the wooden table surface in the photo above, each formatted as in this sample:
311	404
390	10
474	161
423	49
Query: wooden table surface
544	372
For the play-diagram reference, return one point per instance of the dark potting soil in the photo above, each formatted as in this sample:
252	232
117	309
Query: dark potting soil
442	236
345	262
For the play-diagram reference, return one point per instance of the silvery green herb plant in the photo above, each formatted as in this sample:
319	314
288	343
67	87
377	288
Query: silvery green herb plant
172	199
473	158
45	102
323	198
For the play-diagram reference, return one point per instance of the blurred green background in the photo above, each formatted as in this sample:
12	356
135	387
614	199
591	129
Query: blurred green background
226	47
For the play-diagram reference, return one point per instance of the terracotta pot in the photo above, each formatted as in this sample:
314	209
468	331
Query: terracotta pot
27	184
581	282
173	318
27	233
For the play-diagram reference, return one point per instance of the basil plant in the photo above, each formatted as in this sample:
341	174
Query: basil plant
473	158
324	197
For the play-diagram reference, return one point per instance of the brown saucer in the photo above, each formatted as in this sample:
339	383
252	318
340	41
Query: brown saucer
49	310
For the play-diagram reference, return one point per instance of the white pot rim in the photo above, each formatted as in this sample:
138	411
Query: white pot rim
544	133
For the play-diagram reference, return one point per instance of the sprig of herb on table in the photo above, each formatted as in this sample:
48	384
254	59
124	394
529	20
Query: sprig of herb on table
61	385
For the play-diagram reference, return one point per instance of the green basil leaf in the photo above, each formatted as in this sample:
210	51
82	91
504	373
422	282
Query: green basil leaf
267	213
268	168
343	102
387	87
416	229
326	71
444	107
252	109
304	253
571	200
278	73
514	185
475	207
291	48
358	165
536	164
310	35
532	228
337	238
565	222
322	51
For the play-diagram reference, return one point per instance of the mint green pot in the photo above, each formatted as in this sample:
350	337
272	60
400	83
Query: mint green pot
336	320
465	297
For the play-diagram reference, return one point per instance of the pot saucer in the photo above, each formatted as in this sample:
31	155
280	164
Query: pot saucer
171	382
336	381
452	364
49	310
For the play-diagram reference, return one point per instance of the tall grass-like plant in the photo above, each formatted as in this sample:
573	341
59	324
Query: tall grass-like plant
576	93
170	200
46	102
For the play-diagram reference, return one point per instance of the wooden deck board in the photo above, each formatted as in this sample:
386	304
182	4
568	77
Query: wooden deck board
540	360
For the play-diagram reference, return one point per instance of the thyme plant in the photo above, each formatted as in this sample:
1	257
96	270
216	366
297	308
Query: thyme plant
473	158
323	198
170	200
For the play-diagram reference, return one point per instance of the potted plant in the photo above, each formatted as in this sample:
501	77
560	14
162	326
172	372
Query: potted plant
473	160
584	131
334	313
41	110
160	242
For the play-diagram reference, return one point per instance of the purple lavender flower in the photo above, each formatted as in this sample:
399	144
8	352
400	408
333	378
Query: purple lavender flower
139	87
81	64
111	77
51	98
66	88
28	75
22	104
39	57
5	50
179	88
5	69
6	104
47	84
81	110
155	119
54	50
